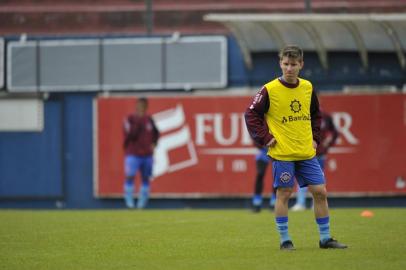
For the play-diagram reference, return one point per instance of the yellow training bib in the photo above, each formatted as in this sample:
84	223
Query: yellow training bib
289	120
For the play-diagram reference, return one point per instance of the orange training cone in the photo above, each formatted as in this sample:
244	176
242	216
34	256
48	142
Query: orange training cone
367	213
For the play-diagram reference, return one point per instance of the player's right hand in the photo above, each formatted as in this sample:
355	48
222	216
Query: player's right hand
271	143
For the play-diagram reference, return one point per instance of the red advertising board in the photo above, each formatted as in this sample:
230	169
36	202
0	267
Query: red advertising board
205	149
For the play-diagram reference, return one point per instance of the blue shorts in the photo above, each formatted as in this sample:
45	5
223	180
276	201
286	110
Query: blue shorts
307	172
137	163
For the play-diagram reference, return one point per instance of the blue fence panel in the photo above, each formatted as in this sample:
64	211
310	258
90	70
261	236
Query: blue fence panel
78	142
30	162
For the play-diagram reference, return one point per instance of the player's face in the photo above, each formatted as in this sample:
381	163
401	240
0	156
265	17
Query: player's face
141	107
290	68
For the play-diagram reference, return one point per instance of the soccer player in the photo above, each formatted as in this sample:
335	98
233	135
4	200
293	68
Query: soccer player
261	161
328	137
140	139
284	115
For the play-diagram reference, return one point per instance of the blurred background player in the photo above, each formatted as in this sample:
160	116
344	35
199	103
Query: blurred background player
140	138
261	160
328	137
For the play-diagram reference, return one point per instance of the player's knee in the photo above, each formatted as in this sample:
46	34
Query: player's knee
284	193
320	194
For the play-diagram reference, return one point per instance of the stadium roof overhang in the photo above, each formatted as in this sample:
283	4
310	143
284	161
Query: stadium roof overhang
322	33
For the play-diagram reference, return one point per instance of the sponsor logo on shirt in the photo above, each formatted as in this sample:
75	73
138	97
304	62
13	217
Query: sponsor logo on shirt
292	118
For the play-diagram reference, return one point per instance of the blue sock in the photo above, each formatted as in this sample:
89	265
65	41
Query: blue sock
257	200
282	227
301	196
324	228
143	196
128	194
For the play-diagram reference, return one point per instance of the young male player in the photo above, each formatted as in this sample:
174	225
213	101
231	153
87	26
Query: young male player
290	109
140	139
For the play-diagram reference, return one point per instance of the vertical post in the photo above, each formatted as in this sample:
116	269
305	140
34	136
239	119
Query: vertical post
38	62
101	65
149	17
164	45
308	6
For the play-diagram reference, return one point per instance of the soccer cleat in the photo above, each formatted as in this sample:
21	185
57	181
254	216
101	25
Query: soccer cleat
143	197
298	207
287	245
256	203
332	243
129	202
256	208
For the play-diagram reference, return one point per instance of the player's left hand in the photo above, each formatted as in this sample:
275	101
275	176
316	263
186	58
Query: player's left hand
314	144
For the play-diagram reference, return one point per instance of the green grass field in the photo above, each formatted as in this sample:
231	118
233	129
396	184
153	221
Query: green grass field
196	239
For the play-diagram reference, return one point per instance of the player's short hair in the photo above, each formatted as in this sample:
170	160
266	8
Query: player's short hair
142	100
291	51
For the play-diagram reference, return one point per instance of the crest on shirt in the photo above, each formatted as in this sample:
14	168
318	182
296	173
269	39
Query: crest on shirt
285	177
295	106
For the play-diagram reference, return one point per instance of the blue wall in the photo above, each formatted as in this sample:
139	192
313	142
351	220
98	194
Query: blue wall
54	167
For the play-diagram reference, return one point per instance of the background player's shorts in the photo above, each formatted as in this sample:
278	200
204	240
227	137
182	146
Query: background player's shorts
307	172
135	163
322	161
263	155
